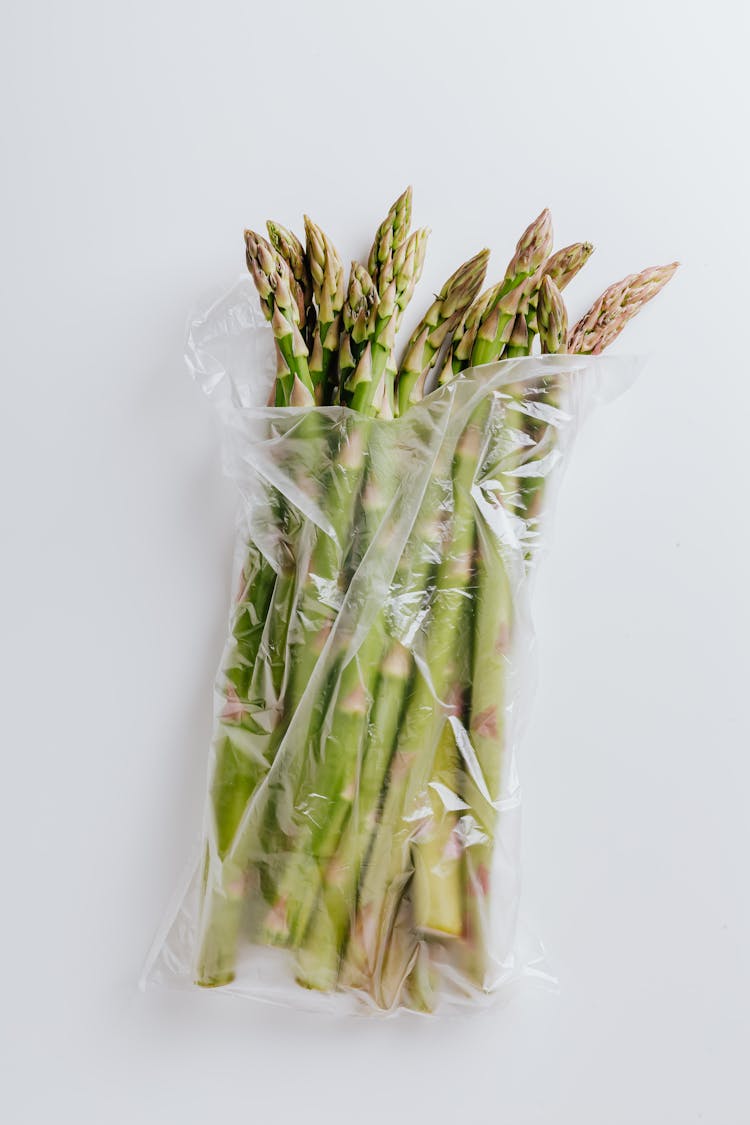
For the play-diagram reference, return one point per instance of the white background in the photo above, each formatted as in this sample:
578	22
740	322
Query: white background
139	140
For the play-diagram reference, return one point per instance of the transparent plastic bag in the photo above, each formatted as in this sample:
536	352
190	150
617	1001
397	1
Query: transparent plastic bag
361	839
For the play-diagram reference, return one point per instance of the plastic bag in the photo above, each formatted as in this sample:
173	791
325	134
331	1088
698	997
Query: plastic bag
361	839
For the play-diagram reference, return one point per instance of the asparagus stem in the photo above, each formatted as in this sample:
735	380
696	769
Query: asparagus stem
223	911
361	298
330	782
493	630
327	274
498	319
286	243
371	385
274	282
389	238
320	950
561	267
318	959
238	757
434	699
435	327
494	618
436	893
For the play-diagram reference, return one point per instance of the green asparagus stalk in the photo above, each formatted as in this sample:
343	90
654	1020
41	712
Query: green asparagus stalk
522	418
435	698
274	283
389	239
498	320
251	723
493	631
319	955
436	857
331	772
494	621
243	731
371	385
561	267
327	274
491	318
361	298
276	687
458	354
320	949
552	317
286	243
594	332
436	326
436	854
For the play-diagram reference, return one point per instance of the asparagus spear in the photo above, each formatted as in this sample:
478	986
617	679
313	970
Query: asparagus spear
552	317
274	283
237	765
435	327
322	942
371	385
318	957
561	267
594	332
458	355
330	782
493	631
494	619
361	298
389	238
437	854
522	418
244	755
286	243
437	885
327	274
617	305
435	697
497	321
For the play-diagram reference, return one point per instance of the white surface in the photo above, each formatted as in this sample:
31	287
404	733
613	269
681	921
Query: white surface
139	140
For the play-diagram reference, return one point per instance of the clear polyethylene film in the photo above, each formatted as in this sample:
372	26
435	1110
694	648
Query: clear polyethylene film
361	834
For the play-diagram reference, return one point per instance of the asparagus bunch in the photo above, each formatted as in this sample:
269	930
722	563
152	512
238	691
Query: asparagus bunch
359	763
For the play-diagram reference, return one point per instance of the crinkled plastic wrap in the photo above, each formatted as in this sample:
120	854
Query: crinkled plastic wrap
361	840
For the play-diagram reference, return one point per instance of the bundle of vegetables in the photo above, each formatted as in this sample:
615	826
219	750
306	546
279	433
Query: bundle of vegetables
357	773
